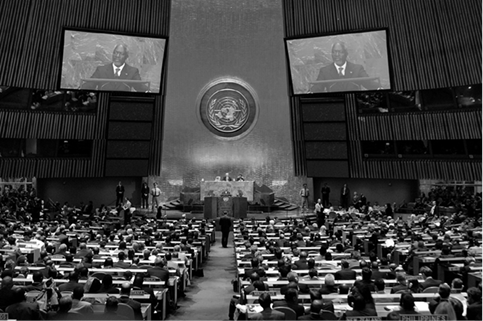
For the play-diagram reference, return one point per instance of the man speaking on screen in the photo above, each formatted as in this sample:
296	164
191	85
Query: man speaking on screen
117	70
341	69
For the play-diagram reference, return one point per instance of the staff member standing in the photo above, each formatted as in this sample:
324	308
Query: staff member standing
319	212
225	224
325	191
304	194
344	196
155	193
145	196
119	194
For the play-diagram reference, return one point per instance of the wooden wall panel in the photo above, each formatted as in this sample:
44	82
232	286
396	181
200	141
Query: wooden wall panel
138	111
459	124
326	150
298	137
325	131
327	168
326	112
128	167
155	156
423	169
127	149
49	125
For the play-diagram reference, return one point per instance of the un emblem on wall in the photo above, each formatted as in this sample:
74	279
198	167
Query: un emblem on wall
228	108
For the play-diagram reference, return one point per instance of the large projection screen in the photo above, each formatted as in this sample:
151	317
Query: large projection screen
314	63
90	61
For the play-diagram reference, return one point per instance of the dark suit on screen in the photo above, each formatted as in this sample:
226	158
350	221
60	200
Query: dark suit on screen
352	70
107	72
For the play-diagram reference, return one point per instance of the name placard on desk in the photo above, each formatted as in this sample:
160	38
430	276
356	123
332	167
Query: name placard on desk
258	293
138	292
420	317
364	318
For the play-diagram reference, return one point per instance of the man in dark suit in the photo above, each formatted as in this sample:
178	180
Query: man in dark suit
329	285
301	263
159	271
376	274
268	313
21	309
225	224
121	256
428	278
342	69
6	290
124	298
439	305
345	273
72	284
118	70
293	282
473	311
37	284
315	307
402	285
291	301
83	251
119	194
344	196
325	193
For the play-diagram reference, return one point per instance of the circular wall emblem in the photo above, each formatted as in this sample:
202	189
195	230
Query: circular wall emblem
228	107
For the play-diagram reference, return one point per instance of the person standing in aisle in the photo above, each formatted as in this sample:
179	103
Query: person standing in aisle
119	194
319	212
325	191
225	224
145	196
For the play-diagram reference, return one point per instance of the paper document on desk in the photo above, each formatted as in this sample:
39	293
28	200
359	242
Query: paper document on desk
421	306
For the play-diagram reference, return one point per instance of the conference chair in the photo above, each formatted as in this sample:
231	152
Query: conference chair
125	310
289	313
431	289
328	315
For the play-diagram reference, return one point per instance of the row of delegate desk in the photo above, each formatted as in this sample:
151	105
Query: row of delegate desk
158	286
201	251
446	268
385	303
401	251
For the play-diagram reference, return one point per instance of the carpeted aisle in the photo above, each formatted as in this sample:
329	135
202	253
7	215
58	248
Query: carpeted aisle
208	297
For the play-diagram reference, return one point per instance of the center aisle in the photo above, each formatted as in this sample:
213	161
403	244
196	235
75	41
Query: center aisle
208	297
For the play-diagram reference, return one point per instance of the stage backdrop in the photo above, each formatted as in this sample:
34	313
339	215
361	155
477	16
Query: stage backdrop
212	41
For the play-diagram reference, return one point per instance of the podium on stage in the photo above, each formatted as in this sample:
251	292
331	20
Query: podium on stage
115	84
345	84
216	206
225	204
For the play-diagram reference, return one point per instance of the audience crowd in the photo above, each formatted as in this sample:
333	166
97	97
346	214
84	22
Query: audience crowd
78	236
51	227
428	231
